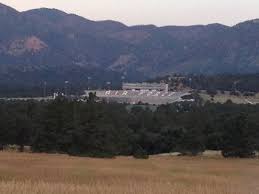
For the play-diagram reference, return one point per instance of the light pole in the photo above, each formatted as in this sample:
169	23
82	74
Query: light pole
108	85
122	80
44	89
66	88
88	82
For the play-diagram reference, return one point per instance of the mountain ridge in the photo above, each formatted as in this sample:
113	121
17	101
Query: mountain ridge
42	41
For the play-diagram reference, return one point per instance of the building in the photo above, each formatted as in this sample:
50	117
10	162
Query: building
134	93
145	86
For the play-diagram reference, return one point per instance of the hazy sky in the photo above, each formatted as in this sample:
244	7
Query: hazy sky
159	12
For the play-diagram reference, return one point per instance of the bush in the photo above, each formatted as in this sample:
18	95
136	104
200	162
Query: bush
238	153
191	142
234	93
249	94
140	154
211	92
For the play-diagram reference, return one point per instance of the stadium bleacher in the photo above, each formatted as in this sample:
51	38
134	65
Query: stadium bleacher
134	93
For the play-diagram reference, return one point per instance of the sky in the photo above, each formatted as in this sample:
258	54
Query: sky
158	12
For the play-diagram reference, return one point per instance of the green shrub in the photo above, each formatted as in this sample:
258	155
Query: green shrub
140	154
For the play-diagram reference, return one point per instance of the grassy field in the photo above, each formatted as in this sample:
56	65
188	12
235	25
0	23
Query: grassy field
60	174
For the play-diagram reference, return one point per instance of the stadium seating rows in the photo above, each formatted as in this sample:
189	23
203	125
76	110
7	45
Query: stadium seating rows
136	96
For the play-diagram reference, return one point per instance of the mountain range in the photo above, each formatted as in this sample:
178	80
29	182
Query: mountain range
50	45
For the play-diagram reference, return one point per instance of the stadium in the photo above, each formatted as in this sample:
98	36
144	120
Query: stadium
134	93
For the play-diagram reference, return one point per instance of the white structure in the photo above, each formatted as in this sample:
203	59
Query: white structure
145	86
143	96
133	93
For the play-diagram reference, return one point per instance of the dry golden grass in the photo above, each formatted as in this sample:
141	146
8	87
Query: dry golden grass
60	174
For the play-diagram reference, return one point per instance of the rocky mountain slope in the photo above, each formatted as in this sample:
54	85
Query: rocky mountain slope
48	44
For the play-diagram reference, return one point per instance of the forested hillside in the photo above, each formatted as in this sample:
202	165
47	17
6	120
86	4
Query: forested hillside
50	45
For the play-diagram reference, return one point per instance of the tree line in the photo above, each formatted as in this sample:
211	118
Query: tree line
243	83
106	130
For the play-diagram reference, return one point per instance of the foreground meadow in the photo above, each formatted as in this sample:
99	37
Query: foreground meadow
61	174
